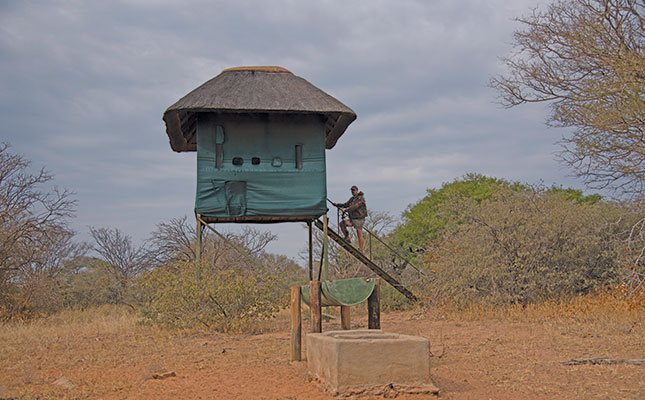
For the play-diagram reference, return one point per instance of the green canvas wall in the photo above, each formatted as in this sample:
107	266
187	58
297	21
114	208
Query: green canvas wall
267	188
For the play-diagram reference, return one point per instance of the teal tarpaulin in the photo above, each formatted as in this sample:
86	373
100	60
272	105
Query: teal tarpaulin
343	292
260	165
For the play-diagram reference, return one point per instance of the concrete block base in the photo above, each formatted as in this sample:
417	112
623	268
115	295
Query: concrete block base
369	362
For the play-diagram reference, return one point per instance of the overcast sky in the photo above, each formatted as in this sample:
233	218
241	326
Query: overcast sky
84	84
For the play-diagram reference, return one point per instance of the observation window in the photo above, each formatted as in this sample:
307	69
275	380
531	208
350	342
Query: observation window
219	155
299	156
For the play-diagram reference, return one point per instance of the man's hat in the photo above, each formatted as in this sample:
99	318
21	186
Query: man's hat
354	187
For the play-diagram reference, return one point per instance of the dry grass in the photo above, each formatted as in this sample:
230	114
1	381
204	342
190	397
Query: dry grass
37	353
517	352
514	352
102	320
106	353
603	312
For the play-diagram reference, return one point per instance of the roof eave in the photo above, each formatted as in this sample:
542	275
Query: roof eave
180	143
340	125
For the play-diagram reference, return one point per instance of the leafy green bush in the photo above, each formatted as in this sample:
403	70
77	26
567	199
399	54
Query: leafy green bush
227	300
423	223
523	247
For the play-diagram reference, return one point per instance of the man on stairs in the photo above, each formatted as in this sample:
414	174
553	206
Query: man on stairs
356	213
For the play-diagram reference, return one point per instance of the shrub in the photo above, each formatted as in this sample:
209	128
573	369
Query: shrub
423	221
523	247
393	300
224	301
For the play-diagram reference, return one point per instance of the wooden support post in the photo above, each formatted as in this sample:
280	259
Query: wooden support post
325	247
315	307
296	325
346	317
198	248
311	259
374	307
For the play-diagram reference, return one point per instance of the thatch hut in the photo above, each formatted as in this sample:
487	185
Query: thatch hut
260	134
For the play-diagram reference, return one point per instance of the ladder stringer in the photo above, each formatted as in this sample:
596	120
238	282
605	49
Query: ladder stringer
368	263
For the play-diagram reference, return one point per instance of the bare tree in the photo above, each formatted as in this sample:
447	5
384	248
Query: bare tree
125	260
634	254
253	240
33	217
586	58
174	241
36	242
220	254
50	255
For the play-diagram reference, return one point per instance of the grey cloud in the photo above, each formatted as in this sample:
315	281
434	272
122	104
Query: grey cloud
83	86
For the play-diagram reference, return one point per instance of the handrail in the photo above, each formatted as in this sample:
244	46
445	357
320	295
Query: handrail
338	219
393	251
369	263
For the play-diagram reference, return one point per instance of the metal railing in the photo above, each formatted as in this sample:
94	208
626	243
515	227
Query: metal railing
342	215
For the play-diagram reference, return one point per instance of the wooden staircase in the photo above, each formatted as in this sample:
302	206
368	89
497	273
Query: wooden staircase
368	263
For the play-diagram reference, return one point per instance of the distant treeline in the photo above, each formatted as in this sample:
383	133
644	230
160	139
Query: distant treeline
484	239
474	240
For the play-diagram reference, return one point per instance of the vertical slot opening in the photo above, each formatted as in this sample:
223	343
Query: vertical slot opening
299	156
220	138
219	155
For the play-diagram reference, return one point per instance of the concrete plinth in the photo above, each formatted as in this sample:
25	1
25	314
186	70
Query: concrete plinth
369	361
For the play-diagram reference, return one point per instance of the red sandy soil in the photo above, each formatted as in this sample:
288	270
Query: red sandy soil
472	359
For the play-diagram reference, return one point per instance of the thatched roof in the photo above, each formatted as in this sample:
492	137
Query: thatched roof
254	90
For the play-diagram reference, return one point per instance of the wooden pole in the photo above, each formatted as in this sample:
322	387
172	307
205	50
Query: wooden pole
326	246
198	248
311	259
346	317
315	307
374	307
296	325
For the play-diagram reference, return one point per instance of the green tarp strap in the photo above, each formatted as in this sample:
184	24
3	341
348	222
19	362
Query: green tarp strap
343	292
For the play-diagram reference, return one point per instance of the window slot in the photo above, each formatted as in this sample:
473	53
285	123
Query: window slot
299	156
238	161
219	146
219	155
255	160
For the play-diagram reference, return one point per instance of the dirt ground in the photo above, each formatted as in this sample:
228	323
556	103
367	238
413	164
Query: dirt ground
472	359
